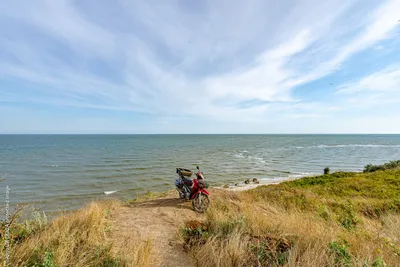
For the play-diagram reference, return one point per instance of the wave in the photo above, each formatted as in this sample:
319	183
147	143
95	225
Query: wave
239	156
261	160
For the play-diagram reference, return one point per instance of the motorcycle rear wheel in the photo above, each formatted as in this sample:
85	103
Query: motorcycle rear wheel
200	203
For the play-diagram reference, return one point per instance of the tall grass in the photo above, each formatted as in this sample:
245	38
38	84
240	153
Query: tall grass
339	219
79	238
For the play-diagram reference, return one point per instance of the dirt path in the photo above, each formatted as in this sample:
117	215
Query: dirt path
160	220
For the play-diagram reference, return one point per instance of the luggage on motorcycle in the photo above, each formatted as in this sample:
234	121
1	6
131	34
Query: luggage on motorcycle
187	182
184	172
184	181
178	184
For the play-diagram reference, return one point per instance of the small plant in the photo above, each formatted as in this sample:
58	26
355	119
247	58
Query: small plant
48	260
379	262
347	217
40	219
323	212
340	252
327	170
260	251
36	259
228	227
110	262
270	251
195	228
194	233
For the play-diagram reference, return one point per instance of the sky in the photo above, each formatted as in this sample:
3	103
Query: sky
191	66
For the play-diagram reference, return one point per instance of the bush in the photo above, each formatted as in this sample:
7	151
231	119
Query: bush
21	230
326	170
394	164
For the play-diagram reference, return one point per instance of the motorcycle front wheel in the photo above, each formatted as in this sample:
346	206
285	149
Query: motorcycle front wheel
200	203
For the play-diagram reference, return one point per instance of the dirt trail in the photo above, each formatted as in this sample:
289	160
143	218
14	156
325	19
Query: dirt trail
160	220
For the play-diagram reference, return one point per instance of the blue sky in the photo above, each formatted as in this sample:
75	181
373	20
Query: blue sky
181	66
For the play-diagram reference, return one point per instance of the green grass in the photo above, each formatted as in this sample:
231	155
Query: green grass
337	219
372	194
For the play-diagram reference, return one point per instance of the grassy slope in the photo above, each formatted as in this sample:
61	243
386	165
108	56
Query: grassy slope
340	219
78	238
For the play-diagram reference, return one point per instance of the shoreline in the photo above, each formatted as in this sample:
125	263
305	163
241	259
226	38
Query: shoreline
244	187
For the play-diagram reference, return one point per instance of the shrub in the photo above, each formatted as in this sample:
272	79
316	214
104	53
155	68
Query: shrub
394	164
326	170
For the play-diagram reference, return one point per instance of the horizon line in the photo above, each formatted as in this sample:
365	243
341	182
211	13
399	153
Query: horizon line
199	133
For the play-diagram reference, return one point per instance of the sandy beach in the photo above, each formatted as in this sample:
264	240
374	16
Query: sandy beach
251	185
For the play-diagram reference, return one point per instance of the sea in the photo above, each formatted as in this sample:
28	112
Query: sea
64	172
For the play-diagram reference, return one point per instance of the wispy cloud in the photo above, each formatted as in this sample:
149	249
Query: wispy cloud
376	89
208	59
386	80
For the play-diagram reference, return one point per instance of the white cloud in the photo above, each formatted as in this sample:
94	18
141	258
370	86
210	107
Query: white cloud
386	80
380	88
213	60
60	20
378	26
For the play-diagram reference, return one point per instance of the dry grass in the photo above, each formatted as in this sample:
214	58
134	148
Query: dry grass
303	223
79	238
340	219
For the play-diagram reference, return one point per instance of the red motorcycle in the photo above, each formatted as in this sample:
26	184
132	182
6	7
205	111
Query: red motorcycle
193	189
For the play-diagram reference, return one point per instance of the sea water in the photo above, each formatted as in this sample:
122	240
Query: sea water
58	172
